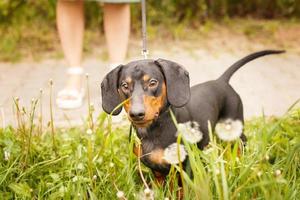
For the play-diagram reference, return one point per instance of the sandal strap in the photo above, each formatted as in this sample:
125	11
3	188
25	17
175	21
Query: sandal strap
75	70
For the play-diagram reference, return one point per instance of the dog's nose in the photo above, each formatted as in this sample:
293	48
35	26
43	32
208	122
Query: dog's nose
137	114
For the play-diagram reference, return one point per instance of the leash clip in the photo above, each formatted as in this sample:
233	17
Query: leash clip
145	53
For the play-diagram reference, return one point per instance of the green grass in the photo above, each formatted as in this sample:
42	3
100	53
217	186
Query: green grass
81	164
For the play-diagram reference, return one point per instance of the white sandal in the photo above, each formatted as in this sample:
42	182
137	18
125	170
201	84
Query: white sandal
71	98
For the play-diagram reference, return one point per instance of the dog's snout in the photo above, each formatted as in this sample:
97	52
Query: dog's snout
137	114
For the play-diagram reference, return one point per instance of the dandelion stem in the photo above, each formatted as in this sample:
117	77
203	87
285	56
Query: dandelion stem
90	112
140	168
51	118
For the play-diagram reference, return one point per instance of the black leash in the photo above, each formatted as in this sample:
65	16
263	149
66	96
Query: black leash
144	30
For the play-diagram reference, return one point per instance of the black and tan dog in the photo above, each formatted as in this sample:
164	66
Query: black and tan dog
154	86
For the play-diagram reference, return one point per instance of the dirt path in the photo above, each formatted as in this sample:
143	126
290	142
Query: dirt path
270	84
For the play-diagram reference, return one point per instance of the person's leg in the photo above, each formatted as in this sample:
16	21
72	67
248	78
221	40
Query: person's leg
117	28
70	24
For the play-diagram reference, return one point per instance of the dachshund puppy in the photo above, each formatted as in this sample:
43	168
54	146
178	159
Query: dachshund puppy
152	87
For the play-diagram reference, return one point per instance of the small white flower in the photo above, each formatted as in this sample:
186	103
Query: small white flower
95	177
6	155
171	153
259	173
267	157
111	165
277	172
190	131
89	131
120	195
229	130
149	194
75	179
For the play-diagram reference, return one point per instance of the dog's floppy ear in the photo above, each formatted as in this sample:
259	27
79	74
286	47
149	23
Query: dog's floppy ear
177	81
109	91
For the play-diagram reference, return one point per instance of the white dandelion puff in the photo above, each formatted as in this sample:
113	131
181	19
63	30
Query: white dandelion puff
171	153
121	195
229	130
6	155
111	164
277	172
149	194
190	131
267	157
89	131
75	179
259	173
95	177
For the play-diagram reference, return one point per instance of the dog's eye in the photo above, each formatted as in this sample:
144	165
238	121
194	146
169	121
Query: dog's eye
153	83
124	86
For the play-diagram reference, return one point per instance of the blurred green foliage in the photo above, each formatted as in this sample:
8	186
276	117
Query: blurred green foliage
159	12
29	25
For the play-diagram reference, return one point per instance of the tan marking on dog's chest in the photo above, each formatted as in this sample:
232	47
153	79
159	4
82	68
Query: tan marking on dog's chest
157	156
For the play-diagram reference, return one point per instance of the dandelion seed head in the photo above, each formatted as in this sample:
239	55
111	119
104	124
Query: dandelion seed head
277	172
228	127
89	131
229	130
120	194
87	75
171	153
259	173
190	131
6	155
267	157
41	91
75	178
95	177
111	164
148	193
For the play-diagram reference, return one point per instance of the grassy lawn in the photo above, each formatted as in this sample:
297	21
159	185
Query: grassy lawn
96	161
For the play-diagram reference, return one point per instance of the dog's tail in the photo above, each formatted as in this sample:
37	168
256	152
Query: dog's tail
233	68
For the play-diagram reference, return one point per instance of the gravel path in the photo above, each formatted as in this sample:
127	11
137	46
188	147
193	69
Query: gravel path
267	85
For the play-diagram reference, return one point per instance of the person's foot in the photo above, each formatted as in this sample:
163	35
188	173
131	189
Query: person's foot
73	93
